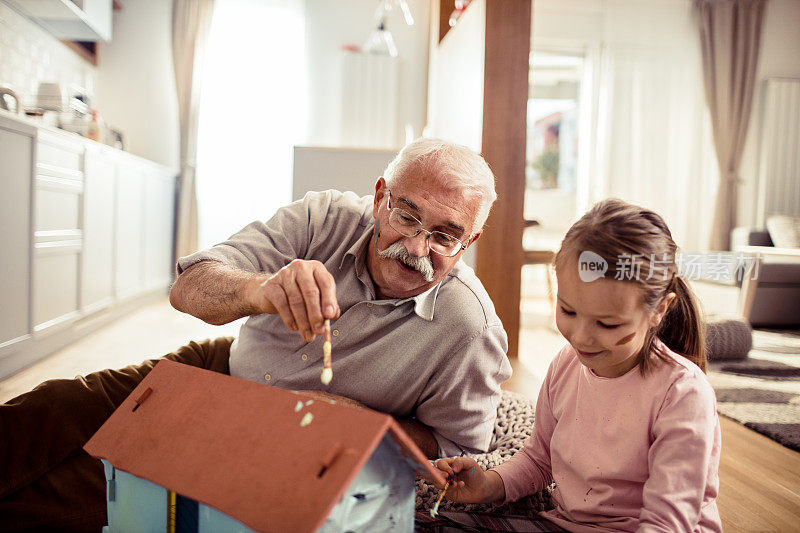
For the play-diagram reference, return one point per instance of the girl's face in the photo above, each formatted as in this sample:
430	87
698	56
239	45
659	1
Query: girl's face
604	320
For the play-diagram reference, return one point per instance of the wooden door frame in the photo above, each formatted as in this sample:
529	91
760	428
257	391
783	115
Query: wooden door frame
507	42
505	101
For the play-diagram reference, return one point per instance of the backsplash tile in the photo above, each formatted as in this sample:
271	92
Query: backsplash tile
30	55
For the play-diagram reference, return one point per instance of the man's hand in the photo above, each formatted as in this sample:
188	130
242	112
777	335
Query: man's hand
302	292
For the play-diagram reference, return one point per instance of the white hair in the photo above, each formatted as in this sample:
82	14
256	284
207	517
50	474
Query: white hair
455	166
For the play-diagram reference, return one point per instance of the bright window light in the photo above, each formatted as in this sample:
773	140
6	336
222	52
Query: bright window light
252	112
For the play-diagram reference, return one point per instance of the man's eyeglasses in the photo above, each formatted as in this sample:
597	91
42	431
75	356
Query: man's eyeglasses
408	225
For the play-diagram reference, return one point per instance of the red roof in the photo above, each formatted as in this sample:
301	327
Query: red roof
239	446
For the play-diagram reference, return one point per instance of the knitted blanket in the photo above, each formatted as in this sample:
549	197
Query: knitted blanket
512	427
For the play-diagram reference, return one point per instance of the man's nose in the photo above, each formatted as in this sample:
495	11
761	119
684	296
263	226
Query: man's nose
418	245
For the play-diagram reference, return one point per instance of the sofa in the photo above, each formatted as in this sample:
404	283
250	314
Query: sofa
770	292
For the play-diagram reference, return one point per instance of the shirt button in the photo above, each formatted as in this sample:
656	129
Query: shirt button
267	377
370	304
335	333
304	357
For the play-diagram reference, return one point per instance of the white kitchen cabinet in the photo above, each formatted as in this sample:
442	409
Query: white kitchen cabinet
55	282
58	231
74	20
159	227
86	235
129	237
16	155
97	272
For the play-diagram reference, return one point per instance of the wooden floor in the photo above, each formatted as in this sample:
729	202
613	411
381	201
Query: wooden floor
759	478
759	482
151	331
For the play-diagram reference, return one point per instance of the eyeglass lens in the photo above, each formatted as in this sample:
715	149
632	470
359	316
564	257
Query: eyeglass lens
407	224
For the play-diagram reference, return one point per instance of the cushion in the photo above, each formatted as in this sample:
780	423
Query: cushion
512	427
784	231
728	340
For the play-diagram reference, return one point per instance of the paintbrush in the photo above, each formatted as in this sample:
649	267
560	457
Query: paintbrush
435	510
327	371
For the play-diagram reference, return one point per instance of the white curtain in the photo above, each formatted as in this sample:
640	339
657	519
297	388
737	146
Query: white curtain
191	20
653	143
252	113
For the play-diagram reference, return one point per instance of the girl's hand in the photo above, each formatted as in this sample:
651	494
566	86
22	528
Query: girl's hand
469	483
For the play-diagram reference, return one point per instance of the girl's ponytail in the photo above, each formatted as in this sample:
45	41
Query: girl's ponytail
682	329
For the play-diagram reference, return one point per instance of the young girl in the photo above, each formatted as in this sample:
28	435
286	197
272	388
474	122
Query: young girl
626	422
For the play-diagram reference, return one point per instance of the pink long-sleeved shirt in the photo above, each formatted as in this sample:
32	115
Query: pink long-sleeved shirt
631	453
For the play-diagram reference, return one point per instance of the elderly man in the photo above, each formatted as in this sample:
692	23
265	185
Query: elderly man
414	333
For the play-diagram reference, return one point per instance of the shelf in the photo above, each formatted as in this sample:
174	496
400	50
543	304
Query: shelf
89	20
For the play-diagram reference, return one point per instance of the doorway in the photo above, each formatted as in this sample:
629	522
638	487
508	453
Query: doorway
554	123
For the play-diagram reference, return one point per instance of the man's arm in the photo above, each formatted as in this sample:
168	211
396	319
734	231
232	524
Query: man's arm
215	293
421	435
302	292
461	397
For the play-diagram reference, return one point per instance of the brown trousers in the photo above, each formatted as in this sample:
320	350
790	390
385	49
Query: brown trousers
47	481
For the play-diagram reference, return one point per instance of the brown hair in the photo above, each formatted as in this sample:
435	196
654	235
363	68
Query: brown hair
638	248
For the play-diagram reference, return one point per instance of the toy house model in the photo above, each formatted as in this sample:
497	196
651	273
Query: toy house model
194	450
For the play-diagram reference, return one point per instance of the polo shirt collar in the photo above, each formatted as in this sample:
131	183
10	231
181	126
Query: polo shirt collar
424	303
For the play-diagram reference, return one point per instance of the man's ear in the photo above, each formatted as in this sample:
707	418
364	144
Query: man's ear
380	195
474	238
470	241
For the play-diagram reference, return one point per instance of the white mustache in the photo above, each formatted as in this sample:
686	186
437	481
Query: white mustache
423	265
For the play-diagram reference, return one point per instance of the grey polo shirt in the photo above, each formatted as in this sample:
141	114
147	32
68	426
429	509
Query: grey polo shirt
439	357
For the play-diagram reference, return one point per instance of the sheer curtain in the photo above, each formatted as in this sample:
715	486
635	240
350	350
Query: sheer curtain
191	20
653	143
252	113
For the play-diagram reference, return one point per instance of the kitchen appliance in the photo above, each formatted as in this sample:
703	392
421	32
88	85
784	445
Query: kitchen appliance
7	94
50	96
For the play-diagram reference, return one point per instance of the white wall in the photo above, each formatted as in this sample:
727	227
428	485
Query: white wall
779	56
135	85
456	79
329	26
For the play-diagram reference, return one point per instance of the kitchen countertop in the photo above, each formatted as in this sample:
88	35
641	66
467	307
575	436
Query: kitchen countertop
29	125
25	124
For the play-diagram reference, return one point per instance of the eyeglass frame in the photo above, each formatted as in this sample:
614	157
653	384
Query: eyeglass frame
460	247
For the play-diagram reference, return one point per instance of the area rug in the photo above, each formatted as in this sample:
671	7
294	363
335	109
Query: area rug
762	392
